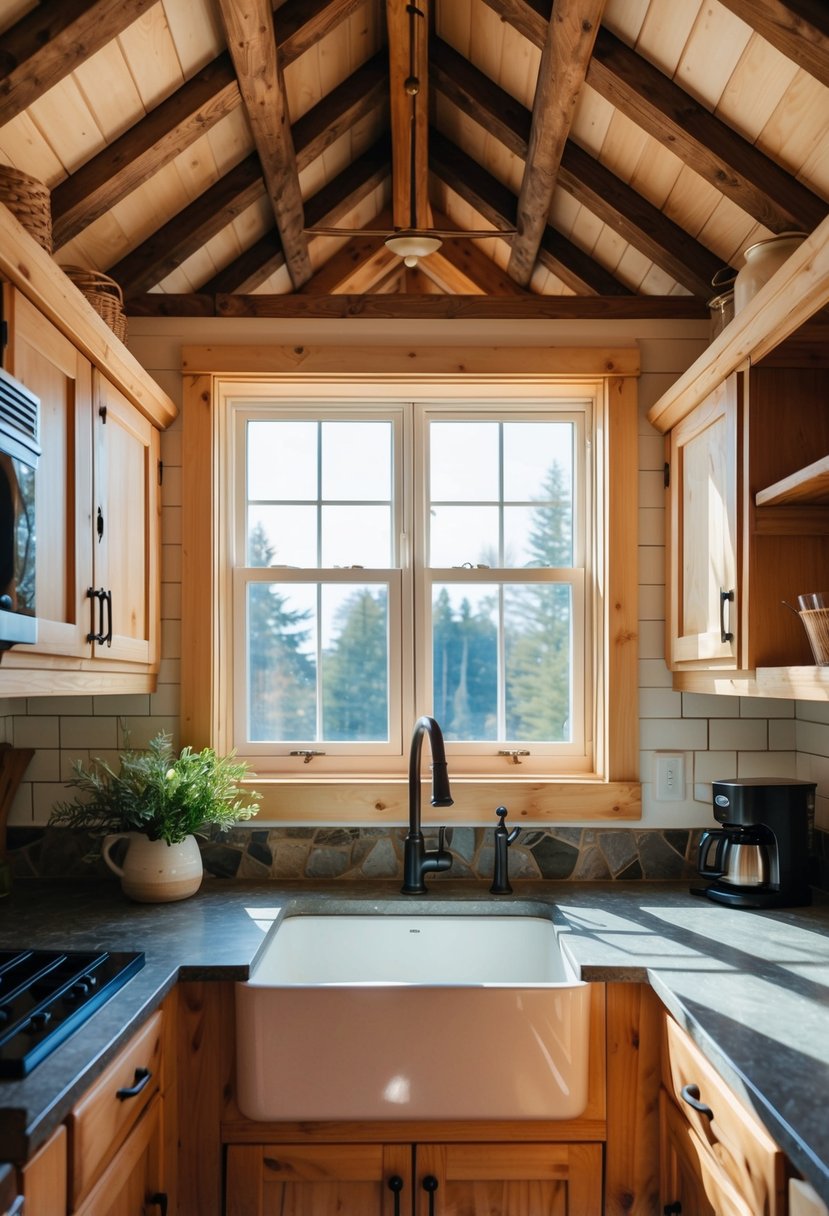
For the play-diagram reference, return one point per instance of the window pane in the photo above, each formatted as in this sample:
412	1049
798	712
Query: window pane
356	460
356	536
281	662
463	461
538	536
282	460
463	534
282	536
465	660
355	664
538	679
531	449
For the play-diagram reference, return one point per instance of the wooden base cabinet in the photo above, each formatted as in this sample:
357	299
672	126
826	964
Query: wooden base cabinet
512	1179
132	1184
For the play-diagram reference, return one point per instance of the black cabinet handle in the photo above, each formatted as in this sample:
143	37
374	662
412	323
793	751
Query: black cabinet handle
672	1209
690	1094
159	1200
395	1185
93	594
99	524
726	597
107	596
430	1185
142	1080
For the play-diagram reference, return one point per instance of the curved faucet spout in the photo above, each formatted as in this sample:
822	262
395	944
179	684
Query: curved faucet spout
416	860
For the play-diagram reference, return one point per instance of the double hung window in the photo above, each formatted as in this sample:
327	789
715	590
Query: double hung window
392	558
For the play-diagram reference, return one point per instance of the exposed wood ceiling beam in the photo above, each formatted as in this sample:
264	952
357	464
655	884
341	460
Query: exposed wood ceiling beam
176	123
186	232
302	23
497	204
327	206
439	307
505	308
798	28
51	40
251	40
571	32
607	196
444	275
408	32
711	148
340	268
145	148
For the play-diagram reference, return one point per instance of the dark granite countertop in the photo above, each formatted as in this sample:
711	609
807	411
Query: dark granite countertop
752	988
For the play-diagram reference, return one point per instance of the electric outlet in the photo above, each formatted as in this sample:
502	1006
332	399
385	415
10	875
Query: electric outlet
670	778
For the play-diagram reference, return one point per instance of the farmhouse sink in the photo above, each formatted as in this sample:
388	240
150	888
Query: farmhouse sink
412	1017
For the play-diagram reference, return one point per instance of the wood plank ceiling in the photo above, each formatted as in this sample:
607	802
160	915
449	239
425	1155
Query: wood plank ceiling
202	151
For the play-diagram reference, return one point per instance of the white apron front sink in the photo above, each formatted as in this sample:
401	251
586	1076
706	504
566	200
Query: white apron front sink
412	1017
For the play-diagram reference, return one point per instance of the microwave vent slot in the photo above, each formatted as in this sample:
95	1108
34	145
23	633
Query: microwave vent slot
19	411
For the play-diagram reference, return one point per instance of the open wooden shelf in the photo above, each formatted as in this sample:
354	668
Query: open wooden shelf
809	485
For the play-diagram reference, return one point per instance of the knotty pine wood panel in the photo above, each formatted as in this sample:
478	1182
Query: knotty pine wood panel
44	1177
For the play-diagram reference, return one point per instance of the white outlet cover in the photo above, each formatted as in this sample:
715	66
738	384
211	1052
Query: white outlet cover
670	777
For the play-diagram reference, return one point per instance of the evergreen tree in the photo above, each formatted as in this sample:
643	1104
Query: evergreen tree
282	678
355	671
464	668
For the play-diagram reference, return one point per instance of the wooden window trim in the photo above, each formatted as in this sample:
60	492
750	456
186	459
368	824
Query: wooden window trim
614	791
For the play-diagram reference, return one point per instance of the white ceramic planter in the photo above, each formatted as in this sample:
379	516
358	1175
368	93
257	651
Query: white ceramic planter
154	871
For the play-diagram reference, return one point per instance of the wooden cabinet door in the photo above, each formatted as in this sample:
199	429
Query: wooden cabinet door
702	541
510	1179
50	366
132	1184
318	1180
691	1181
43	1178
127	536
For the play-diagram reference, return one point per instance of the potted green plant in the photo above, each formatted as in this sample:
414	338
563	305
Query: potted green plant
157	801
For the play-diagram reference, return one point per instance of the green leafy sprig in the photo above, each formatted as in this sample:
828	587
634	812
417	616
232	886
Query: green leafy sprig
165	796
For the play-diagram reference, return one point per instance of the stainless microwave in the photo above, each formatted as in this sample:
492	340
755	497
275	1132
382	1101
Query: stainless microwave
19	452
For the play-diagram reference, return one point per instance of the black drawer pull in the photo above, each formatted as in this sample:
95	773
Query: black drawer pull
672	1209
690	1094
159	1200
395	1185
430	1185
142	1080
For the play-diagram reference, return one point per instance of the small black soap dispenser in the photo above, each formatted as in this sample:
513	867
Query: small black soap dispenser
503	840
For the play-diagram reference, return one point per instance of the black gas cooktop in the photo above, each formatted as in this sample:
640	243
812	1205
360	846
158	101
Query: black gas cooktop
47	994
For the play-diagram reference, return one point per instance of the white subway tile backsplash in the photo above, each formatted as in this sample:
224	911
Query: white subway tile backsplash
171	563
651	640
767	764
20	811
139	731
171	639
667	734
171	601
703	705
739	733
166	702
44	765
36	731
44	796
812	737
715	766
122	703
782	735
812	711
37	706
766	707
90	732
659	703
653	673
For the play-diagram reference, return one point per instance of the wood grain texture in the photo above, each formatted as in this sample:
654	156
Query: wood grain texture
633	1080
799	30
620	477
251	41
198	561
408	33
43	1177
568	46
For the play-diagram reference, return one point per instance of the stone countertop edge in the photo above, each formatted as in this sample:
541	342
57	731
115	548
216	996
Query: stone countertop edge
750	987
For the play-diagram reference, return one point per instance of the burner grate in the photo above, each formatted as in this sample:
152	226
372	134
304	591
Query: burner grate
47	994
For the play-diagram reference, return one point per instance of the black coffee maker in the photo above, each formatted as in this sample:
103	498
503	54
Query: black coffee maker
760	857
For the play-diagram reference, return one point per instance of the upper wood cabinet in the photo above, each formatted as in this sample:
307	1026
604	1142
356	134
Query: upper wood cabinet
738	555
98	522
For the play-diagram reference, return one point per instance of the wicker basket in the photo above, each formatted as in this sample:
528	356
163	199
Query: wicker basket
104	294
29	202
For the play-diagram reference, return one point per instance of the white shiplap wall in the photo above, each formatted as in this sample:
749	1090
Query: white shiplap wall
720	737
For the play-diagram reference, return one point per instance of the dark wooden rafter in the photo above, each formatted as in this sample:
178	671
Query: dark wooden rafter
706	144
799	29
251	40
189	113
571	32
144	149
468	259
576	269
644	226
51	40
327	206
341	267
408	32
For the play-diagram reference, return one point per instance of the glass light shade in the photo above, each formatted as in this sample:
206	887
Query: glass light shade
413	245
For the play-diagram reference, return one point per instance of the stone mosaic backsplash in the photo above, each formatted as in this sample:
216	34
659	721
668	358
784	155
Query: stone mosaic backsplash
286	853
